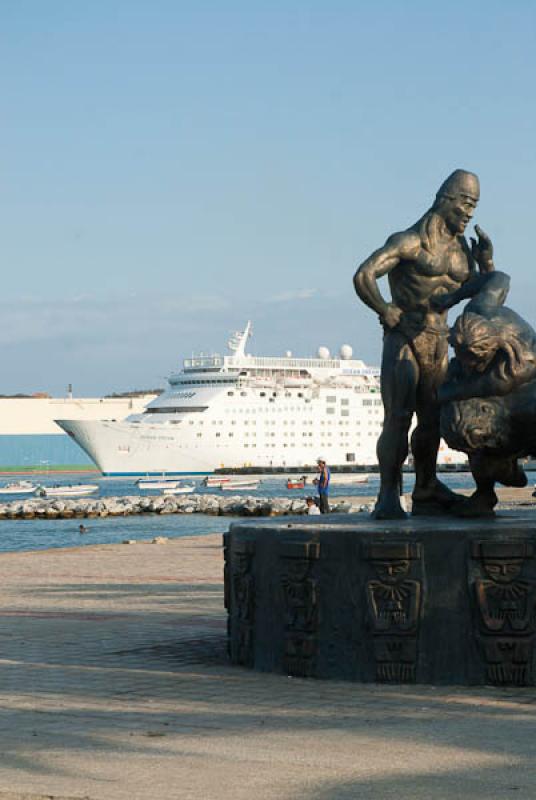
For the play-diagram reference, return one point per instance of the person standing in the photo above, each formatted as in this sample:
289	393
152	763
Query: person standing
322	485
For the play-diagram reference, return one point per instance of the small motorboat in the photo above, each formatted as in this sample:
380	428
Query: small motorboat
18	487
215	480
349	480
240	485
186	488
68	490
297	483
157	483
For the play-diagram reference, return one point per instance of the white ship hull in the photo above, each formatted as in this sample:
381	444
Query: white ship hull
123	449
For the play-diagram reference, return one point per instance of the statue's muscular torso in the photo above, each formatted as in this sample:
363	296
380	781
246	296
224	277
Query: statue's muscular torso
423	275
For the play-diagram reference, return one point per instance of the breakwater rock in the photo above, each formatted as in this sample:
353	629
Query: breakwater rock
216	505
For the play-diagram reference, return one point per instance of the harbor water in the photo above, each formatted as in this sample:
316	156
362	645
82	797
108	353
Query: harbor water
42	534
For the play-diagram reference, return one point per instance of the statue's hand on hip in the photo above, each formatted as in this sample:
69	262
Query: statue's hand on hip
482	250
391	316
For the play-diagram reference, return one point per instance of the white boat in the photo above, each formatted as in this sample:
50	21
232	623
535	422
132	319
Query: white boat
348	480
69	490
227	480
18	487
241	410
157	483
239	486
185	489
215	480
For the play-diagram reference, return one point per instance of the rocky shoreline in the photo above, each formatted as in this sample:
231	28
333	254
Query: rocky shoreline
214	505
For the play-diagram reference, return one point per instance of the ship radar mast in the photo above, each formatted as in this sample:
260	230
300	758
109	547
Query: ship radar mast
237	342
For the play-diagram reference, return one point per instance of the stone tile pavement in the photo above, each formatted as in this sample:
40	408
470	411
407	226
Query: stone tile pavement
114	684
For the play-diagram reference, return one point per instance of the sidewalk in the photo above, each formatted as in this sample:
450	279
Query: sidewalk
114	684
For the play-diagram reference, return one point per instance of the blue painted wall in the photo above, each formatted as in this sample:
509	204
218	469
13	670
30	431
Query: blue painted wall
40	450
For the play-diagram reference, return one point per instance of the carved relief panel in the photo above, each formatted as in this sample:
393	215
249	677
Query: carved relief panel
504	593
393	600
241	601
227	586
301	606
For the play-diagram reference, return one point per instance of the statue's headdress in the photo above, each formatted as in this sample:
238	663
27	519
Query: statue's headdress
460	182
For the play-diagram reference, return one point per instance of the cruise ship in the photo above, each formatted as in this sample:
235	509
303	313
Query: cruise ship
241	410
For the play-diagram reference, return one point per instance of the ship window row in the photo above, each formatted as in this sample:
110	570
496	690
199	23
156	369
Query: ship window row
303	423
287	409
274	394
175	409
208	382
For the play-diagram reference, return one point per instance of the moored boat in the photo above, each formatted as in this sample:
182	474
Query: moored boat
181	489
240	485
297	483
69	490
18	487
215	480
157	483
349	479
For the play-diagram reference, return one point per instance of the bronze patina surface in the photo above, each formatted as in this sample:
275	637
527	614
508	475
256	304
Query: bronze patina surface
430	259
489	398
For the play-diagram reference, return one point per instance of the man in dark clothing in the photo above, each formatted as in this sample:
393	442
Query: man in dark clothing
322	486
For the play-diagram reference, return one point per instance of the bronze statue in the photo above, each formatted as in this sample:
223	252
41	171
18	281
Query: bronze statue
489	398
429	259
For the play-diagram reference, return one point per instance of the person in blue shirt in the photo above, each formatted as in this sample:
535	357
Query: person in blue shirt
322	486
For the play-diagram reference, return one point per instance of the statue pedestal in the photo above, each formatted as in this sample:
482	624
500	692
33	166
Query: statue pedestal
425	600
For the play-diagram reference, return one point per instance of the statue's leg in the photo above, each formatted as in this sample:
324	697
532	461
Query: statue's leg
430	495
399	378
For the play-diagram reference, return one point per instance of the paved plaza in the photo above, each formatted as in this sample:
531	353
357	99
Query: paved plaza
114	683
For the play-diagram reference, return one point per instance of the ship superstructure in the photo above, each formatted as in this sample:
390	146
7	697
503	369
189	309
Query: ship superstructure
242	410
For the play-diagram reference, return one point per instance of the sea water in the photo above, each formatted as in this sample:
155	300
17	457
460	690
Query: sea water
42	534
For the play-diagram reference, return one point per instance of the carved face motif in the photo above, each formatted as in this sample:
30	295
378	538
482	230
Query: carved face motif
458	212
297	569
391	571
503	571
242	562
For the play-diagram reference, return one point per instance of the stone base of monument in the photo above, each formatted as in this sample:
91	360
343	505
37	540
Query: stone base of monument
426	600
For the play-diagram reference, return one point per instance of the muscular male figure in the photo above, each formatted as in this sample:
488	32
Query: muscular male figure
429	259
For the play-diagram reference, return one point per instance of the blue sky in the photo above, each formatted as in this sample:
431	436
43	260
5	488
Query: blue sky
171	169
